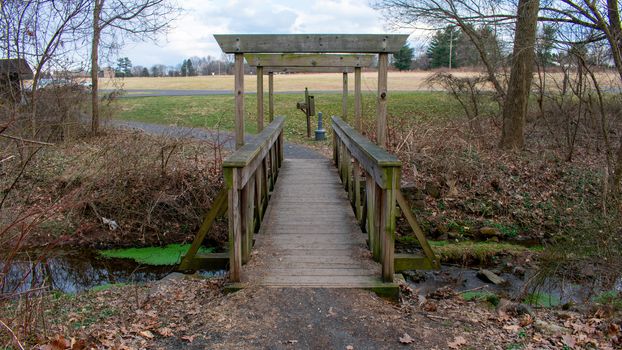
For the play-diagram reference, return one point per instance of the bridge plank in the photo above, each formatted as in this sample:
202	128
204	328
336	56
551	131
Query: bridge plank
310	236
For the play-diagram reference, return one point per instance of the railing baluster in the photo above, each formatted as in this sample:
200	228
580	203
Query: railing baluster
235	227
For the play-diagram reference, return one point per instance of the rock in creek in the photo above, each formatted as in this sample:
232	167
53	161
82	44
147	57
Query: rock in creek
489	276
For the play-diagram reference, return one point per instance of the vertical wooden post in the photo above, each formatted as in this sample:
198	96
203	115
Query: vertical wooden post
370	192
259	99
235	226
357	191
388	212
377	250
381	108
244	206
258	196
281	148
271	96
358	110
239	100
344	98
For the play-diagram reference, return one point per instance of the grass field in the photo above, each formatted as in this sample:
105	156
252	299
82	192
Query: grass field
216	112
398	81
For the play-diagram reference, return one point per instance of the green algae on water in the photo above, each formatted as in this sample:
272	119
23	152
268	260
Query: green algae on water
157	256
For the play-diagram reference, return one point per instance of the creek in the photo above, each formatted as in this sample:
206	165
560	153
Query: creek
79	270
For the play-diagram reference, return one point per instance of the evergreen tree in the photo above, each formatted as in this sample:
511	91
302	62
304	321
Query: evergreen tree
545	43
184	68
438	51
124	67
190	68
145	72
403	58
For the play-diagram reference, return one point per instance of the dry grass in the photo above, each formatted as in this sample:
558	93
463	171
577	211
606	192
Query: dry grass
398	81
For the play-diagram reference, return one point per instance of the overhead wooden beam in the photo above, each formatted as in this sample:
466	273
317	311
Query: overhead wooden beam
309	69
310	43
309	60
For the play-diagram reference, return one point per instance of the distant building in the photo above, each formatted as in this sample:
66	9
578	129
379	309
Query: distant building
12	72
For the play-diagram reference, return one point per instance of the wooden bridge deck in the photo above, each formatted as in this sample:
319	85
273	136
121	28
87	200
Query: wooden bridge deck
309	236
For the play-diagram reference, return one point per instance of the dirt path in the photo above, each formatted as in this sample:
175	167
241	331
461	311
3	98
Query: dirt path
226	138
192	313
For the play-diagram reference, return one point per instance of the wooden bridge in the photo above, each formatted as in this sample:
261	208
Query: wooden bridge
312	223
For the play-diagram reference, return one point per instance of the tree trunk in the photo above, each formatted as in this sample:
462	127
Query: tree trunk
617	173
95	66
521	74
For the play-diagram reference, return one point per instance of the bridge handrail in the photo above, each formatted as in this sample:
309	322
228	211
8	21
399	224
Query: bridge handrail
249	174
355	155
371	157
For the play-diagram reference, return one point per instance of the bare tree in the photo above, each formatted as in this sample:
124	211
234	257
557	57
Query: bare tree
44	33
468	15
523	58
591	22
116	20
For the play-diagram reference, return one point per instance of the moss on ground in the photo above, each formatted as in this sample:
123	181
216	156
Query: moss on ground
167	255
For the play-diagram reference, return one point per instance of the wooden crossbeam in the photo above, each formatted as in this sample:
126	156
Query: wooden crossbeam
271	69
310	43
414	224
219	207
309	60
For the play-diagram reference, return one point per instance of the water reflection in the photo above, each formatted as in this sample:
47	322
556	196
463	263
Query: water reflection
72	272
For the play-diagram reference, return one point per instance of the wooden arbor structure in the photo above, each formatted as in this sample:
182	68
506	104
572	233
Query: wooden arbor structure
311	63
251	172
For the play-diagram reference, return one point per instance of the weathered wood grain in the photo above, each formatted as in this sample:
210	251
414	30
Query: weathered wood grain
310	43
259	98
309	60
381	105
238	72
309	69
315	243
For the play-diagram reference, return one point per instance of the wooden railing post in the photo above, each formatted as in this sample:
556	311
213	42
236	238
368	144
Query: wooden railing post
235	224
387	228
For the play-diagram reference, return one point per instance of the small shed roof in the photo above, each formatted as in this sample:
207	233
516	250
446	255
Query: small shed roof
17	66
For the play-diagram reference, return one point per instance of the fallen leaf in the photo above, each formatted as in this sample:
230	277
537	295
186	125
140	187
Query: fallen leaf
349	347
406	339
292	341
189	338
78	344
512	328
569	340
146	334
165	332
526	320
331	312
457	343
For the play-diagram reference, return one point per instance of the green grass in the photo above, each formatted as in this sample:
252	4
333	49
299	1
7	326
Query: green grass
107	286
542	300
611	297
474	251
167	255
217	111
481	296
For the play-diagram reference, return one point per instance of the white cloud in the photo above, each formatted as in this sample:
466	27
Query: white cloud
193	30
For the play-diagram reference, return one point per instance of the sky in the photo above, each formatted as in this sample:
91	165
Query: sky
192	31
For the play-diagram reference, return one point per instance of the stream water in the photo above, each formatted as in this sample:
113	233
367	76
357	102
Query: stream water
466	279
76	271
